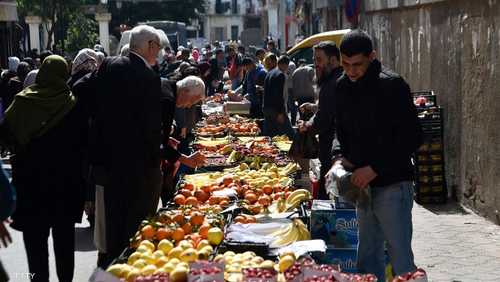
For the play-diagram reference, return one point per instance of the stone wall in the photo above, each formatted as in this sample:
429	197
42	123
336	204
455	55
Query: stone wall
453	48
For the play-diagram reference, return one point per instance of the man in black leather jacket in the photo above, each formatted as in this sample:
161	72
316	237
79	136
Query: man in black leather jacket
328	70
378	131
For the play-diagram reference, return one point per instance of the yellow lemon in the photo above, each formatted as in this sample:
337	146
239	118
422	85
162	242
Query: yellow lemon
188	255
267	264
229	254
174	261
179	274
133	257
168	267
158	254
285	262
203	243
139	264
148	258
165	246
288	253
148	270
175	252
257	260
184	244
148	244
208	249
203	255
116	270
215	236
143	249
133	274
161	261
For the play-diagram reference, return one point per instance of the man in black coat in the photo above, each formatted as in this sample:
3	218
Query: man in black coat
276	121
126	135
378	132
328	70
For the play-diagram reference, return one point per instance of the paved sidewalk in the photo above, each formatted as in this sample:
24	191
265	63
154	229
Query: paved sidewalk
453	244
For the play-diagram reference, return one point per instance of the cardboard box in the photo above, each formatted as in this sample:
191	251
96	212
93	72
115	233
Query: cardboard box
341	203
337	227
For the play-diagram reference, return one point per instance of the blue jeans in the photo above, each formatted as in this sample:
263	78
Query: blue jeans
386	219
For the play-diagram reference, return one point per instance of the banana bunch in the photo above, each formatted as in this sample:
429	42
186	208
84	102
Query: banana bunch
295	231
292	202
296	198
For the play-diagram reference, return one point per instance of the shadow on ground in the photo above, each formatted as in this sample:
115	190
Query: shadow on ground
451	207
84	239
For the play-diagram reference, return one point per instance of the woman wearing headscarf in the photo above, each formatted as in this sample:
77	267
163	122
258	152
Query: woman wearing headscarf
15	84
46	168
85	62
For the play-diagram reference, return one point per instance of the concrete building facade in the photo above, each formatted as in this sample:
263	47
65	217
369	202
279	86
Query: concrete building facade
451	47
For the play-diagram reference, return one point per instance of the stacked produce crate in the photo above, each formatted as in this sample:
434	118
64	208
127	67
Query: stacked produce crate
430	182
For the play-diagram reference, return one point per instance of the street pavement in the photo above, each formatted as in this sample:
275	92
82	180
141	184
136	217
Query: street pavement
452	243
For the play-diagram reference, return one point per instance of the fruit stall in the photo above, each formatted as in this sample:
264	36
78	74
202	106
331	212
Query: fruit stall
243	217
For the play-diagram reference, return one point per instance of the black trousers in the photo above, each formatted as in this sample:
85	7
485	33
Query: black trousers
37	251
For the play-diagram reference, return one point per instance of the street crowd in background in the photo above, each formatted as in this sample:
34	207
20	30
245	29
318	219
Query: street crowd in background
101	125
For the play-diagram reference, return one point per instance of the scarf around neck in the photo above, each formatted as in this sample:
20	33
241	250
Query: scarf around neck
41	106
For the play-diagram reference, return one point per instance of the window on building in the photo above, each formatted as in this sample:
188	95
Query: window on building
234	6
219	34
234	32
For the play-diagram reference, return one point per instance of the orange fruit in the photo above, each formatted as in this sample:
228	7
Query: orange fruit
278	195
224	203
267	189
240	219
264	200
178	234
188	228
206	188
186	193
277	188
195	238
189	186
163	233
148	232
251	197
213	200
179	199
226	180
255	209
197	218
179	218
201	196
251	219
203	231
191	201
215	188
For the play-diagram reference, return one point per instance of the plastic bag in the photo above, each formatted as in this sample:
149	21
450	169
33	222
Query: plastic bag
304	146
338	182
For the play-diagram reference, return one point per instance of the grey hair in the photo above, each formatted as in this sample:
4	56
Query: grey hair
164	42
193	85
141	35
125	50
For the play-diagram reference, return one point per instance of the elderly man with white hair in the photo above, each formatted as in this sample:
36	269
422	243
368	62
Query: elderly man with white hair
129	137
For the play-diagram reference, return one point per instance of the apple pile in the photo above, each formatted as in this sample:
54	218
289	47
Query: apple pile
344	277
163	277
211	270
416	276
259	274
